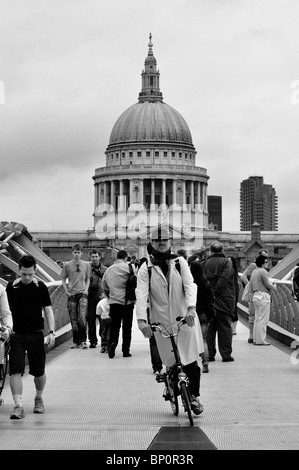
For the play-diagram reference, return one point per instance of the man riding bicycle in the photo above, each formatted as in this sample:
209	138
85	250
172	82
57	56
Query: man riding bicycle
171	293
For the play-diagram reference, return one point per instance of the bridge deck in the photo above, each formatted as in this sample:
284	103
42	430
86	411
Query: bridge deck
95	403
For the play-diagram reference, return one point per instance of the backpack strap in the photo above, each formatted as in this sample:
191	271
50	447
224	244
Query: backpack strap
177	265
149	270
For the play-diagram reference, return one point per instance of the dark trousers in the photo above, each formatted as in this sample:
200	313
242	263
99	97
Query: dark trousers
77	308
121	316
93	300
104	331
221	324
155	356
193	373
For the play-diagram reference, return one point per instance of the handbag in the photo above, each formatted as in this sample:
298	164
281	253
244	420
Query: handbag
247	293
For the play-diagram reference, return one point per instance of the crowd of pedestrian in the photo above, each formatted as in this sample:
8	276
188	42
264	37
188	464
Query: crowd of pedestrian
203	288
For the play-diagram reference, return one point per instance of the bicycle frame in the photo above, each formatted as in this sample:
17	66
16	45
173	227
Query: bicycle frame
175	378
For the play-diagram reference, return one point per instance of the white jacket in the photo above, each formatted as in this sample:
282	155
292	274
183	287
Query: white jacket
103	308
167	301
5	314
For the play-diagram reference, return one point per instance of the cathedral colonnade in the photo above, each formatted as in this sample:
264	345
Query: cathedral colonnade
122	193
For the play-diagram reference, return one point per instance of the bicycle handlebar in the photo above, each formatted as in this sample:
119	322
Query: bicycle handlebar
162	329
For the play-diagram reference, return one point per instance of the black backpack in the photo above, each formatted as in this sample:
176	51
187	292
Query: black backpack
131	285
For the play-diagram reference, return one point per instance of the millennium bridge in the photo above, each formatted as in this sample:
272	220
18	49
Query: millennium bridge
116	406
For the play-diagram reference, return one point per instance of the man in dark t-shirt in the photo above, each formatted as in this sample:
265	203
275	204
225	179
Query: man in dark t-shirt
28	298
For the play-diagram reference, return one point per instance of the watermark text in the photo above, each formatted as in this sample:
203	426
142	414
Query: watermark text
138	222
2	92
294	98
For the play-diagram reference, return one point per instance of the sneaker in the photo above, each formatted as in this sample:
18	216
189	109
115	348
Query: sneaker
103	349
250	340
196	406
39	406
111	352
92	345
18	413
205	368
83	346
75	346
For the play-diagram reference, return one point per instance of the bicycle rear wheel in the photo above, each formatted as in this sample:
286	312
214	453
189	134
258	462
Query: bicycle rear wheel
186	401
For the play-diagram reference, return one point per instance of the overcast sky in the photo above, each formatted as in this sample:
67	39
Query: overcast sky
69	68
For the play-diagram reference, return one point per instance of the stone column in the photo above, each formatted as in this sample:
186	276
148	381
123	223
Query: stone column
96	195
105	192
112	198
121	199
184	191
131	197
152	191
192	194
173	191
141	192
201	194
205	197
163	191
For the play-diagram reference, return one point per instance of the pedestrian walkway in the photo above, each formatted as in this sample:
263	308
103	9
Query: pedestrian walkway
96	403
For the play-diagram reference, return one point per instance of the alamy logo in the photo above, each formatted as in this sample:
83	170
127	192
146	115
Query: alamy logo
2	92
294	355
137	222
295	94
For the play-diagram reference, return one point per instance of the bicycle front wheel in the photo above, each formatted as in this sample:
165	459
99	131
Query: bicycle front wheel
3	372
186	402
173	398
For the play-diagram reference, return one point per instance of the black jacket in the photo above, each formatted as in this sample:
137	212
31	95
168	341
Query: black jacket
205	296
220	273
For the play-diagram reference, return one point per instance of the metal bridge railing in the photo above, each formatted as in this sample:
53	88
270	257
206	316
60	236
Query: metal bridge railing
284	310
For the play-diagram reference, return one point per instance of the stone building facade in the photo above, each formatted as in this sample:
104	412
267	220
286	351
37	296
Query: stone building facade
150	172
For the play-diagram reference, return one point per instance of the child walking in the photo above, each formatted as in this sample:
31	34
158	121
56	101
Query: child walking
103	315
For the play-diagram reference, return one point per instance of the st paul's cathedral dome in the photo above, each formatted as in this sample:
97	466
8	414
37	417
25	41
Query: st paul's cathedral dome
150	161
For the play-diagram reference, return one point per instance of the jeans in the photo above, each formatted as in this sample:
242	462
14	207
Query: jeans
77	308
204	329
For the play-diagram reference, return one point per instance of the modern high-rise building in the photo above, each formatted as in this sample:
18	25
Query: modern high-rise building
258	203
215	212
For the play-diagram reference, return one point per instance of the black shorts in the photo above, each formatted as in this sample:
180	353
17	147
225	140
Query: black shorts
33	343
